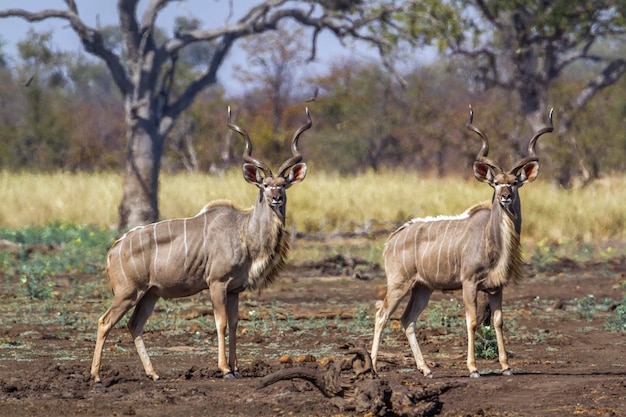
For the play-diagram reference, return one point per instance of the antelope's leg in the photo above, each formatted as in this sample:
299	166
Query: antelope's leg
495	303
418	302
218	298
232	310
143	310
469	302
119	307
387	307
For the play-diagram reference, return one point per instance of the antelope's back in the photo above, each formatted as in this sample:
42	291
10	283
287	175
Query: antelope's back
434	250
173	255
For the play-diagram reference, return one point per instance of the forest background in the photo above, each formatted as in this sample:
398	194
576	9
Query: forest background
60	111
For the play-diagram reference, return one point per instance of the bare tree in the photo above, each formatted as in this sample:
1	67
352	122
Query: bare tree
272	63
145	70
524	46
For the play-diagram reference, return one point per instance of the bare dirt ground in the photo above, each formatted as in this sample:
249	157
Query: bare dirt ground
318	315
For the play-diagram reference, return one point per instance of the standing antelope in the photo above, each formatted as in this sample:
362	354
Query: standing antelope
476	251
222	248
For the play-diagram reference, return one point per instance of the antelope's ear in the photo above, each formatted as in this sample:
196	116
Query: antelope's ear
528	172
296	174
252	174
483	172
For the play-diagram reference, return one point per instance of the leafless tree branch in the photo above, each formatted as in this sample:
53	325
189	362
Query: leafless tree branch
152	11
91	39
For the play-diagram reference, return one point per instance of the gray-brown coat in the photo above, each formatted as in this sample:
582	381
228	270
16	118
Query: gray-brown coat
222	249
478	250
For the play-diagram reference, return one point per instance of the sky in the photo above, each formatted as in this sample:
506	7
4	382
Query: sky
213	13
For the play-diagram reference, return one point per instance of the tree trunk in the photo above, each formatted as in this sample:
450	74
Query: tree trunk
139	204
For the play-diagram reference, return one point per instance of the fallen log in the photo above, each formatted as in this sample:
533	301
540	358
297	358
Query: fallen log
352	385
328	382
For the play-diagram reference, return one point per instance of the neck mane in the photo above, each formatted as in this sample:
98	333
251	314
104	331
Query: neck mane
268	243
503	249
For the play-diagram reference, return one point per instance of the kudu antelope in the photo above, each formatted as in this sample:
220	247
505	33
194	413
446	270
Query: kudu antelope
222	248
478	250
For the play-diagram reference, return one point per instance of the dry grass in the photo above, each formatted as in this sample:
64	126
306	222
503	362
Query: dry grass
39	199
323	202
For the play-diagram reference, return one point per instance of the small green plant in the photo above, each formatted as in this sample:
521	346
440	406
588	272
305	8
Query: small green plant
617	321
446	314
255	320
544	253
586	307
486	344
52	250
363	321
35	279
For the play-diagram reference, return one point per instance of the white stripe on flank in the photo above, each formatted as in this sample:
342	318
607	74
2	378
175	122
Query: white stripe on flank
204	236
415	249
156	249
395	247
424	274
443	239
452	263
119	255
132	255
185	241
169	252
467	241
143	255
406	270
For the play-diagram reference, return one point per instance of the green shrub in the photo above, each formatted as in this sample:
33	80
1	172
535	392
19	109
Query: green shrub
486	344
34	277
617	321
586	307
446	314
52	250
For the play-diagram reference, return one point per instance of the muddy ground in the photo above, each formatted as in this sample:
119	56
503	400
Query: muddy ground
317	316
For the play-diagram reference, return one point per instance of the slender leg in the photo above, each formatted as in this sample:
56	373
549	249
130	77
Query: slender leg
232	310
417	304
143	310
218	298
495	303
121	304
387	307
469	301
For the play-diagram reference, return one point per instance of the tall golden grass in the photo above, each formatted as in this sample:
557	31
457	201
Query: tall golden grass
323	202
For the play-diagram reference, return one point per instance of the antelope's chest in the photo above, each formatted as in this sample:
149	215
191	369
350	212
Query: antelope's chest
268	260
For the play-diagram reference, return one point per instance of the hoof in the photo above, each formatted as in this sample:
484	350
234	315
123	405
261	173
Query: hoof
233	375
475	374
507	372
98	384
429	375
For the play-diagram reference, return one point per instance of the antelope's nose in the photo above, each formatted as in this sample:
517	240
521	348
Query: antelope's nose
277	200
506	199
